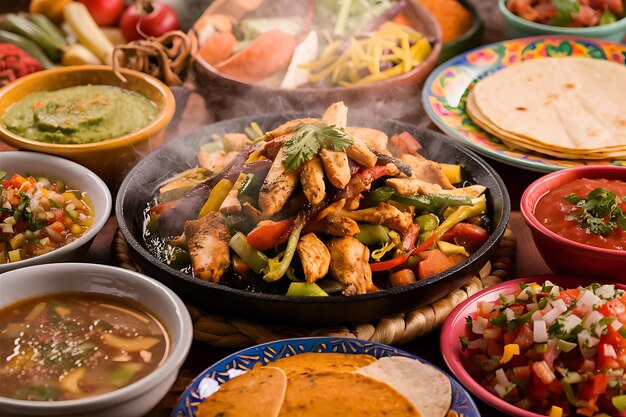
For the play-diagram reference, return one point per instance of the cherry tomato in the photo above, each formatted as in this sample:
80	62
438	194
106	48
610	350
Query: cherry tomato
153	19
104	12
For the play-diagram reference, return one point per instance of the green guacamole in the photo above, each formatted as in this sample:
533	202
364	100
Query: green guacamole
81	114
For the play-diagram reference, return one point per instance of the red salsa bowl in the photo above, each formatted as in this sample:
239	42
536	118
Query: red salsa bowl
564	220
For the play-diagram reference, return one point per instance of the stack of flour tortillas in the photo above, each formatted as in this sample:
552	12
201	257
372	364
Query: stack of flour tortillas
568	107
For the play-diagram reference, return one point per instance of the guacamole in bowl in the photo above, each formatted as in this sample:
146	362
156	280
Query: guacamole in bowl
79	114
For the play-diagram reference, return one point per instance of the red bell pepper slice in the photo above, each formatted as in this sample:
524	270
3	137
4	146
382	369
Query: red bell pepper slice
392	263
468	235
269	234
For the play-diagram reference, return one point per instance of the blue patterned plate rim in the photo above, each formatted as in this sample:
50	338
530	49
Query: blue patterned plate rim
460	61
462	403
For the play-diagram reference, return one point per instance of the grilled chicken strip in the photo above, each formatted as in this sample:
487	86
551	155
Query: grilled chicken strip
349	264
314	256
277	186
361	154
312	179
384	214
231	204
412	186
427	170
333	224
287	127
208	239
336	162
372	138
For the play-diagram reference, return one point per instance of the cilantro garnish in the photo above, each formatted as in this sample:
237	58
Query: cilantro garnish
600	212
464	342
309	138
564	11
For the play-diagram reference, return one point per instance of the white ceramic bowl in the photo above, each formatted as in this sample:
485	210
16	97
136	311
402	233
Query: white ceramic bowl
136	399
77	177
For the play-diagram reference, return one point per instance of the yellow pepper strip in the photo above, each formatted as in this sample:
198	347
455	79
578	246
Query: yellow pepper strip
216	198
535	287
406	53
391	72
509	351
421	50
255	156
556	411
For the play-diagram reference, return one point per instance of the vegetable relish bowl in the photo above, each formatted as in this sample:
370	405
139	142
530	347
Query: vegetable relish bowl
78	115
576	217
318	54
52	209
279	256
143	329
541	345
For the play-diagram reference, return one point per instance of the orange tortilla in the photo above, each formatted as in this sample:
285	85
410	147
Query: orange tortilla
257	393
312	362
343	394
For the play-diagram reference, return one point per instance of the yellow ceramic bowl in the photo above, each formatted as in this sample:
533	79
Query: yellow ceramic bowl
111	159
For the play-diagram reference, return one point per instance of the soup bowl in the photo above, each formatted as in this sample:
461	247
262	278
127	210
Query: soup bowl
77	177
111	158
565	255
132	400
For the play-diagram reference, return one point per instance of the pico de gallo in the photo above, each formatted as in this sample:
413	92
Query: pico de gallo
551	350
39	215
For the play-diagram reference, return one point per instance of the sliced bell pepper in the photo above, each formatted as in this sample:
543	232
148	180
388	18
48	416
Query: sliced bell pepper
410	237
278	266
470	236
392	263
268	234
510	350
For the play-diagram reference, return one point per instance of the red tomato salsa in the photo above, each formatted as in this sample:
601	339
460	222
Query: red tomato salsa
556	212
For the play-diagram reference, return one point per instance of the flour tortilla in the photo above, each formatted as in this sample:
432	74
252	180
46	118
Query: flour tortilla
343	394
517	142
321	362
257	393
570	105
428	389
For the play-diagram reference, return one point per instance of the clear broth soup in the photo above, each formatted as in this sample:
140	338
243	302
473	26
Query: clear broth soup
74	345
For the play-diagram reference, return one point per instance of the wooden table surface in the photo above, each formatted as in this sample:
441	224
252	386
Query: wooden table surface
194	114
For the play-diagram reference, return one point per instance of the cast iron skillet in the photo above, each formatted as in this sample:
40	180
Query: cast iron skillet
140	184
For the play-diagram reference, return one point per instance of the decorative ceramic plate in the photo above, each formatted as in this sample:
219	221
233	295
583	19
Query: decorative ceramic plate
462	404
446	89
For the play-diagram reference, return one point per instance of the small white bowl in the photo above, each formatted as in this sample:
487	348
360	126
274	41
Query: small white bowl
136	399
77	177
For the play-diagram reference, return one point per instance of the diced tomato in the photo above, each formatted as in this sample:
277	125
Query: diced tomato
57	226
543	371
495	348
6	184
269	234
524	337
13	199
17	180
612	308
433	262
484	308
613	338
537	389
569	295
522	372
595	386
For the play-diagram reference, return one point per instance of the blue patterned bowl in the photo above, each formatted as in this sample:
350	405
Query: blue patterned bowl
462	404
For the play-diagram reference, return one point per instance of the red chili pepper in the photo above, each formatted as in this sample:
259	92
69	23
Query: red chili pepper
15	63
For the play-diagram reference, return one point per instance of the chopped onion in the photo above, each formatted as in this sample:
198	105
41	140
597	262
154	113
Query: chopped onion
606	291
592	319
586	301
540	332
6	228
616	325
570	322
501	377
479	325
509	314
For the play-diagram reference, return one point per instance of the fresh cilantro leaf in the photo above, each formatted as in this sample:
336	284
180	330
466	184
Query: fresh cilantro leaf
309	138
499	320
564	11
464	342
469	321
600	212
